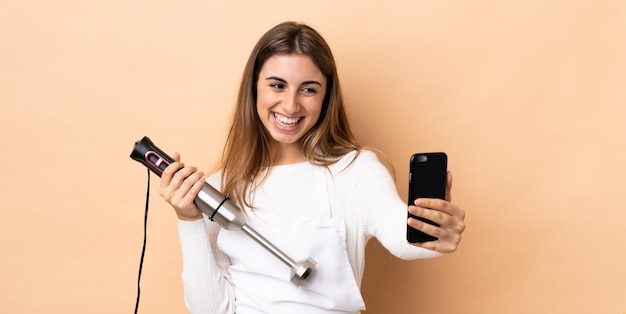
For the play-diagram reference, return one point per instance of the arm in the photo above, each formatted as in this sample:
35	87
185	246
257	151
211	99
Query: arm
385	214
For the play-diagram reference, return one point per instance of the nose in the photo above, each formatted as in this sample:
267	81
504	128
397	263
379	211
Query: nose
291	103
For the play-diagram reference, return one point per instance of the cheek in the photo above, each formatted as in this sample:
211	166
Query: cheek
315	110
262	102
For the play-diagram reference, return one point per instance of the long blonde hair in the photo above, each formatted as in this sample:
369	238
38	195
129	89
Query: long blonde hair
246	155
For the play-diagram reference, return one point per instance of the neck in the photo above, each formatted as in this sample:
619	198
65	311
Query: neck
285	154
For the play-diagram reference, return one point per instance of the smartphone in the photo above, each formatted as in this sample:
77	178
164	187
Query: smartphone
427	179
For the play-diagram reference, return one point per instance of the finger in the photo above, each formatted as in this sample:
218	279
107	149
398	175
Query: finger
433	203
182	174
447	240
189	180
425	227
440	205
180	196
439	217
197	181
186	185
173	182
168	173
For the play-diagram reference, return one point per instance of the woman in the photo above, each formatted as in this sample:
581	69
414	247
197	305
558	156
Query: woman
292	163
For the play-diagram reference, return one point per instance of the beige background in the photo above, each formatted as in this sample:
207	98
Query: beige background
528	98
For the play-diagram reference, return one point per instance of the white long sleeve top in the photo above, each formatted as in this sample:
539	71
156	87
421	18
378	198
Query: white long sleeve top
364	198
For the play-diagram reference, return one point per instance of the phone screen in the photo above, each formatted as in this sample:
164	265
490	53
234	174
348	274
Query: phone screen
427	179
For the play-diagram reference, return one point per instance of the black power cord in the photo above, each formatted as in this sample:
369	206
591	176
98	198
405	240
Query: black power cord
143	248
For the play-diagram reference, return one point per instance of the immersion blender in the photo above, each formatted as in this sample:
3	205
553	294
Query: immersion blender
218	207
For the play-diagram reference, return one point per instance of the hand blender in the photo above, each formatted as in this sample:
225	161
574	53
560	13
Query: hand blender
218	207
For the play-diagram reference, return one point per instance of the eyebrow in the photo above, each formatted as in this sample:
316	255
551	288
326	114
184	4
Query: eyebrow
284	81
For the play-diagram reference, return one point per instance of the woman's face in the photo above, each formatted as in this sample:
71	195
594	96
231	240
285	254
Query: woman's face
290	92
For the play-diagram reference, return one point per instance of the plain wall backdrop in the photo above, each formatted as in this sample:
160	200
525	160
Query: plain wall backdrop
528	98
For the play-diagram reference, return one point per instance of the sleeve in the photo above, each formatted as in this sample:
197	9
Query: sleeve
206	283
383	211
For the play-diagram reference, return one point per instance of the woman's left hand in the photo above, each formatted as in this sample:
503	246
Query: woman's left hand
449	217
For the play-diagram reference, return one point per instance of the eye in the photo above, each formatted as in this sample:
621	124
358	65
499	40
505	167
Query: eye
278	86
309	90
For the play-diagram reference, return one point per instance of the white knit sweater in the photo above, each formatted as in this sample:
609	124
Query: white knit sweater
360	192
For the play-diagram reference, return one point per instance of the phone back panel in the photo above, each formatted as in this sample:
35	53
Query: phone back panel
427	179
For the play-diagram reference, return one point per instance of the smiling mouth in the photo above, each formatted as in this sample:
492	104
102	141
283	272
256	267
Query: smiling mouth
285	121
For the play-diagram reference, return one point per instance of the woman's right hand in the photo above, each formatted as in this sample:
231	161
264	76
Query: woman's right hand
180	185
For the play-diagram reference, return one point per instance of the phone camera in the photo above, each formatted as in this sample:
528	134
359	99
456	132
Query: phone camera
422	158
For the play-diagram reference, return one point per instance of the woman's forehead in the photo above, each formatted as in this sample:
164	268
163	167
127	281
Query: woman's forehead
292	68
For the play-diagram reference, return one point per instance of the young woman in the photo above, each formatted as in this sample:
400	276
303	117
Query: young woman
293	165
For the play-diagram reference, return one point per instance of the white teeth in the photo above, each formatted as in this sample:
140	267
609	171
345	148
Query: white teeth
286	121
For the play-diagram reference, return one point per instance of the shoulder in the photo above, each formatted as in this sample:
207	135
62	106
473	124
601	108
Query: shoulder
357	160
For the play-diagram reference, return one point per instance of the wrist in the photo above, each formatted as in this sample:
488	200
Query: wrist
190	218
